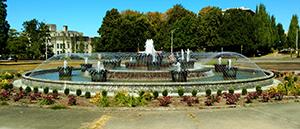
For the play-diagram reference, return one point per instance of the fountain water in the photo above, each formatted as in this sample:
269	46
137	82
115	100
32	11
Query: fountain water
133	72
150	50
85	60
182	55
229	63
65	64
188	55
220	60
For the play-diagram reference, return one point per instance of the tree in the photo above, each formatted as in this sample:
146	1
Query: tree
209	32
237	30
4	26
17	44
281	42
37	34
263	32
291	36
186	33
109	31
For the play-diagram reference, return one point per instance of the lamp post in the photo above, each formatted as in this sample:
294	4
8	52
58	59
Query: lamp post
172	31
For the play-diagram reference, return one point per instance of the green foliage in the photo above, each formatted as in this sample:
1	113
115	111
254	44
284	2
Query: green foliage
6	75
37	33
141	93
194	93
155	94
165	93
104	93
55	91
87	94
78	92
123	99
258	90
46	90
208	92
27	90
67	91
219	92
244	91
231	91
147	96
5	84
104	102
17	44
180	92
35	90
4	26
292	32
48	100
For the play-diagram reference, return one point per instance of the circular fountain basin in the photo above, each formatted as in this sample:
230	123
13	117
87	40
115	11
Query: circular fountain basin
136	80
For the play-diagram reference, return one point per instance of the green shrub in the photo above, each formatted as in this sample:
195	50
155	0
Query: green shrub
27	90
18	74
46	90
258	90
244	91
104	102
219	92
78	92
194	93
155	94
67	91
231	91
104	93
147	96
6	75
87	94
7	86
208	92
180	92
55	91
141	93
35	90
165	93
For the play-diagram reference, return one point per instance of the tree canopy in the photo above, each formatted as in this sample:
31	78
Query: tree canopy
4	26
239	30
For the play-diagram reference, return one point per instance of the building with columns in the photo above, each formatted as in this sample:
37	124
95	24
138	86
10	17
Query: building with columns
67	41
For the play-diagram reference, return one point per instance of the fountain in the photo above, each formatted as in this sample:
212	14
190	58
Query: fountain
98	74
65	72
220	67
149	59
149	70
230	72
179	74
84	67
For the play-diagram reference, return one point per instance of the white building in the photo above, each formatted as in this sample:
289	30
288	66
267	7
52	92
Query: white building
67	41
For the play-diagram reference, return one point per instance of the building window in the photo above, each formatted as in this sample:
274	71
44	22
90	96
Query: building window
57	46
68	46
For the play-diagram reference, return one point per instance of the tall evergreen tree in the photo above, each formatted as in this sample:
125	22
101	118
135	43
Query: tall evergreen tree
291	36
263	30
237	31
4	26
281	42
109	32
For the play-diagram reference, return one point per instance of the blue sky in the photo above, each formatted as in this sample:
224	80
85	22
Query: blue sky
86	15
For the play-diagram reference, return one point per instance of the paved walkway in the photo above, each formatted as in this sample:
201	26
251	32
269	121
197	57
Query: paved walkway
270	116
